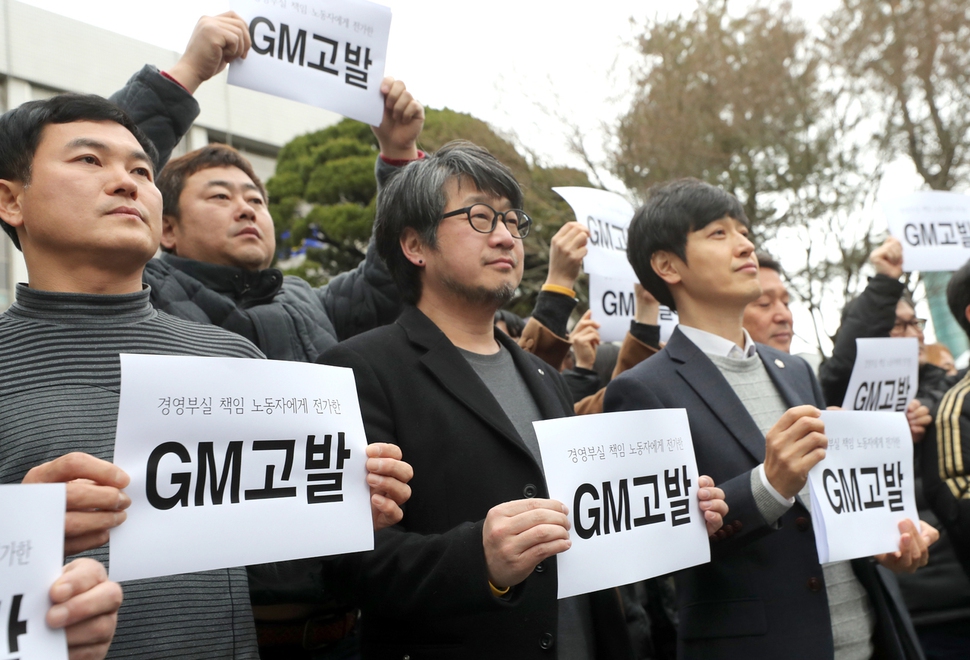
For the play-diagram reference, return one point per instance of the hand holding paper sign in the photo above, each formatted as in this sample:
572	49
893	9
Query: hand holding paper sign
888	258
711	501
566	253
647	307
518	535
216	41
402	122
585	339
793	446
95	503
919	418
86	605
388	477
913	550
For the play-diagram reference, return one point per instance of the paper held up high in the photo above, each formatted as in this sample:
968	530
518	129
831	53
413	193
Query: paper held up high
607	216
885	374
863	488
236	462
629	480
933	227
325	53
31	557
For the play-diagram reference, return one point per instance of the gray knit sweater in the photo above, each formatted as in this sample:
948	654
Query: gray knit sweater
60	381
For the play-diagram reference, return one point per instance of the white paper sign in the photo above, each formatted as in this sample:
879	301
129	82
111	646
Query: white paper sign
236	462
614	305
325	53
885	374
933	227
31	557
863	487
632	499
607	216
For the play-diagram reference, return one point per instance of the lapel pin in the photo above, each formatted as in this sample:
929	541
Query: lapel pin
541	372
779	363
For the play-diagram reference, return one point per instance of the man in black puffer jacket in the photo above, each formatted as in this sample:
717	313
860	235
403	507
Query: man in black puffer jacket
229	284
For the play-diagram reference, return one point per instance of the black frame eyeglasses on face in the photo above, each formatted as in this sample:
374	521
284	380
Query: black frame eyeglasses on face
919	324
519	227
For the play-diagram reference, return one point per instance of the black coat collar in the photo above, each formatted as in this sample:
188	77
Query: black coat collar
451	369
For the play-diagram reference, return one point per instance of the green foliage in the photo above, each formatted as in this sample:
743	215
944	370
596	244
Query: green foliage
324	189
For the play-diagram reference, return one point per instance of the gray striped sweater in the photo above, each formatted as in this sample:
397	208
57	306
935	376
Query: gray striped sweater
60	381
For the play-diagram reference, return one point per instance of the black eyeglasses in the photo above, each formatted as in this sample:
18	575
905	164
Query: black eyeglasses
919	324
483	219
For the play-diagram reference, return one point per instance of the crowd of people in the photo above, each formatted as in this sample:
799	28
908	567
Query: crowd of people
449	384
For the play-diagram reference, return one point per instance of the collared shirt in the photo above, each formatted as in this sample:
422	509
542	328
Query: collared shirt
708	342
713	344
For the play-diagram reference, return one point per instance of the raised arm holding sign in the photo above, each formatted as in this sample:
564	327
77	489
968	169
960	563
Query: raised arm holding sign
327	53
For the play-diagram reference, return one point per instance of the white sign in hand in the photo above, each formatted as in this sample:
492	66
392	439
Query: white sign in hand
607	216
863	487
632	500
614	305
31	557
933	227
885	374
236	462
325	53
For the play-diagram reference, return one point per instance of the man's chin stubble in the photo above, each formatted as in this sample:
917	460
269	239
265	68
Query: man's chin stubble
480	295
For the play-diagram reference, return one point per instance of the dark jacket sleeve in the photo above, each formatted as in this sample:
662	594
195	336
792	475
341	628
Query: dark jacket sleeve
544	334
581	382
407	572
163	110
872	314
945	466
366	297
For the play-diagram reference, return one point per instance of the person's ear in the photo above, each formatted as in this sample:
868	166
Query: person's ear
169	227
413	247
966	313
11	202
667	266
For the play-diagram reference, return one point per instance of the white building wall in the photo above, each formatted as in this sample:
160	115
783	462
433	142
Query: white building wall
42	54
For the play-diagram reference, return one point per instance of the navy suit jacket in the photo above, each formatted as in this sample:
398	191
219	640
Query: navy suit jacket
763	593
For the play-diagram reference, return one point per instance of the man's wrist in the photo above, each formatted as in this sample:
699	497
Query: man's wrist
401	162
781	499
556	286
184	76
407	154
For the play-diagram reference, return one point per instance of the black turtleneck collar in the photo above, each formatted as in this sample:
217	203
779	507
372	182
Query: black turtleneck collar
82	308
239	283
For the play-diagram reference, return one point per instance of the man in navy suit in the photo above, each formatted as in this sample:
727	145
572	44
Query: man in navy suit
754	419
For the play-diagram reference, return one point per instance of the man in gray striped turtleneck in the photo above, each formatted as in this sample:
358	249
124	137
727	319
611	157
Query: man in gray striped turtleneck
754	418
77	195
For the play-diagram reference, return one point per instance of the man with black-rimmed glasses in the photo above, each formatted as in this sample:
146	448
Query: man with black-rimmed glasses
470	572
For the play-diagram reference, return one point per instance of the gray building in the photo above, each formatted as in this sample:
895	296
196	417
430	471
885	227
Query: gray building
42	54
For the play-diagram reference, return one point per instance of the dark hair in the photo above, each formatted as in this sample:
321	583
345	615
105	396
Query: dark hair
172	179
767	261
21	128
958	296
672	211
415	197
